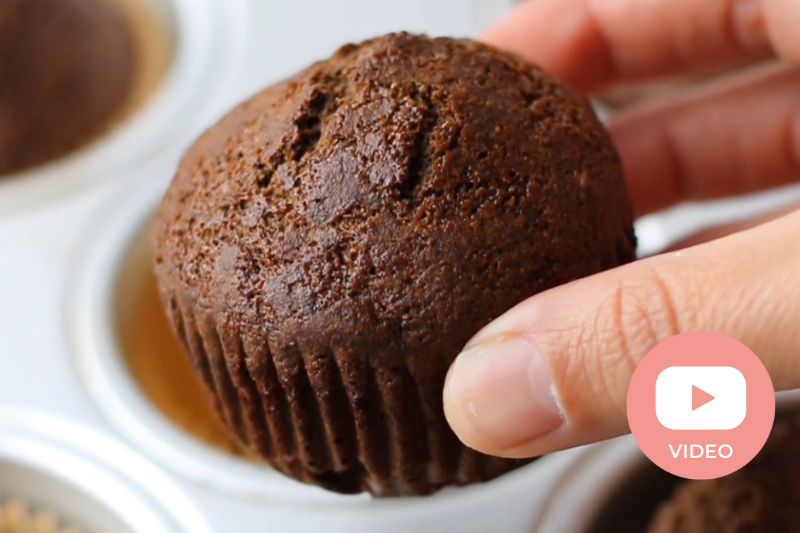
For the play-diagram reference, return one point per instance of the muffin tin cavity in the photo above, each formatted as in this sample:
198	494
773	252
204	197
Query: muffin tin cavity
179	52
65	477
613	488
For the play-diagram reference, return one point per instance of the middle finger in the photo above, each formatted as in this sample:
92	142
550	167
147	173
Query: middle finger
737	136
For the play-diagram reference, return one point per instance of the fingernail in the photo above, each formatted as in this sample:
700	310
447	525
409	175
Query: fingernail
500	394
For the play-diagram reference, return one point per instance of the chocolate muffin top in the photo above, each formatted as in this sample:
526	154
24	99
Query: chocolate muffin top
395	197
66	67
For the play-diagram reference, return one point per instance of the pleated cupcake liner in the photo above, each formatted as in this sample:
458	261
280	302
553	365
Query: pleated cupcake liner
347	421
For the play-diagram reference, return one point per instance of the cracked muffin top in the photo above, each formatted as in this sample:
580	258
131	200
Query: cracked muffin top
403	192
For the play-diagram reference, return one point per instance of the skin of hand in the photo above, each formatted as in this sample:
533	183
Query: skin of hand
553	372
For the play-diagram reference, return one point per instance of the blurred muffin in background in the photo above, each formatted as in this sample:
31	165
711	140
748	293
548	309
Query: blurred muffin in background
17	517
68	69
762	496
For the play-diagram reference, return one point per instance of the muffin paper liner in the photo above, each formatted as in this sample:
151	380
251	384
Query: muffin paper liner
346	421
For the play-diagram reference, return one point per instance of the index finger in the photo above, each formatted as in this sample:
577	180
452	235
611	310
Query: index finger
591	44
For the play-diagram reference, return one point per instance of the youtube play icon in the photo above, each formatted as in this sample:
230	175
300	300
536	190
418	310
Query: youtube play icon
700	404
701	397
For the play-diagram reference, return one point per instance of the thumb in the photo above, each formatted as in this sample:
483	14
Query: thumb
553	372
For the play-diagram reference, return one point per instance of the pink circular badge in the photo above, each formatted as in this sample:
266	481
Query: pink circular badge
701	405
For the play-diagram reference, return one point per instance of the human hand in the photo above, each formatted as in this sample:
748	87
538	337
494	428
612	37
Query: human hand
553	372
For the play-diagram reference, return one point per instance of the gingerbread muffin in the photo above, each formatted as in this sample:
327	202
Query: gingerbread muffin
326	249
67	67
762	496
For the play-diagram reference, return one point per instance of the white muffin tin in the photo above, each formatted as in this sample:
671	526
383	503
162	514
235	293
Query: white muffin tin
87	480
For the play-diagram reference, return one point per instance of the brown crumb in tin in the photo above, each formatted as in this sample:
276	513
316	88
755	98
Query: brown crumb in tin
18	517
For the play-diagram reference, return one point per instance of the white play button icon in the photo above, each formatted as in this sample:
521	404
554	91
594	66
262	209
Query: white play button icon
701	397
